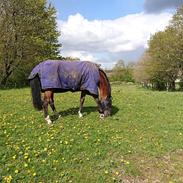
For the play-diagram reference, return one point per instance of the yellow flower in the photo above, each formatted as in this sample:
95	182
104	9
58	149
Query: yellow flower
8	179
117	173
26	155
34	174
45	149
16	171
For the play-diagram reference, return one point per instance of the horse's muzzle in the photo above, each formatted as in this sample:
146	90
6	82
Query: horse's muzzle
107	113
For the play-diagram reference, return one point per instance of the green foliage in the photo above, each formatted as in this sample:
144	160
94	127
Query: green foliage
122	75
141	141
163	62
120	72
28	35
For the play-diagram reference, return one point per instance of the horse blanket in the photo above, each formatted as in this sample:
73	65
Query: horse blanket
67	75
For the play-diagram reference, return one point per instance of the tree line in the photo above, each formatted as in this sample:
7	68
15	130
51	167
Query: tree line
121	71
162	63
28	34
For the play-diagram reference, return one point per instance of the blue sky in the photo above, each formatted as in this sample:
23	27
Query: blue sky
97	9
105	31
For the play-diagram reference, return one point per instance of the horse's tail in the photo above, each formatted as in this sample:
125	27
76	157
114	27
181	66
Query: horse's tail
36	92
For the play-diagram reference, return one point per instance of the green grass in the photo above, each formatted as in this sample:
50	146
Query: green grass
141	141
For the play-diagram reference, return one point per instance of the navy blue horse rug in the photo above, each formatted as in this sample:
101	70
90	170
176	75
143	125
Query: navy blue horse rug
67	75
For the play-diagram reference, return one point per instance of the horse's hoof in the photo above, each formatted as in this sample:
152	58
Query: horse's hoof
80	114
48	120
102	116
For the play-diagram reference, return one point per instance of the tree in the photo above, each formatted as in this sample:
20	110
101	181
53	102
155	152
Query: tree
120	72
165	56
176	25
162	52
142	70
28	35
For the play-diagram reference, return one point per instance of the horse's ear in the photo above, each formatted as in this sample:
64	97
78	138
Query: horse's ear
98	65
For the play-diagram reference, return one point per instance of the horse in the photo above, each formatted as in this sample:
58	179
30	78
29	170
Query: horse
56	76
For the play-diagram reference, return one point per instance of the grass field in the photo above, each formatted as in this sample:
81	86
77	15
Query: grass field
141	142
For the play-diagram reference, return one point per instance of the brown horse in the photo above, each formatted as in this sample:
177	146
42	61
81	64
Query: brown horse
103	99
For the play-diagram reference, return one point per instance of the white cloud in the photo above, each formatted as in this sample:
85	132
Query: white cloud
102	40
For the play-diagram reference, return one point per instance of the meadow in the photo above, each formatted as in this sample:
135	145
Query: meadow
141	142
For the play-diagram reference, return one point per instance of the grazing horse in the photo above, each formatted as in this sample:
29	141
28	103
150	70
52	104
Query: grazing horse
53	76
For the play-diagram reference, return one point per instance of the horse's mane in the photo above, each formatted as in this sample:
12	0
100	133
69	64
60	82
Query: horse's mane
108	83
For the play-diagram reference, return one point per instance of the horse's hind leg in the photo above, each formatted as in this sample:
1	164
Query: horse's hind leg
52	105
82	99
45	107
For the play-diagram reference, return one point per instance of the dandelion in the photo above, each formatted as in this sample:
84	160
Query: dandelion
122	160
25	165
49	153
45	149
55	161
34	174
8	179
117	173
127	162
16	171
27	148
26	156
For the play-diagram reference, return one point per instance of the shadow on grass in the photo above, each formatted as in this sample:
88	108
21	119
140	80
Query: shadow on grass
74	111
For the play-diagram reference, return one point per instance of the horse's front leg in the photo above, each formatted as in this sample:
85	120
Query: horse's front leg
52	105
99	106
82	99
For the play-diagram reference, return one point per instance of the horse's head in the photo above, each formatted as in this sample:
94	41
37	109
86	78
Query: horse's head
107	106
105	94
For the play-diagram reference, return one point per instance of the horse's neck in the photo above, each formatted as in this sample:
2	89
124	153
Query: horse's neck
104	86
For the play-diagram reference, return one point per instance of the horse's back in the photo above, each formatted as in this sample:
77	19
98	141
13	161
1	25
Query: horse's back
67	75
